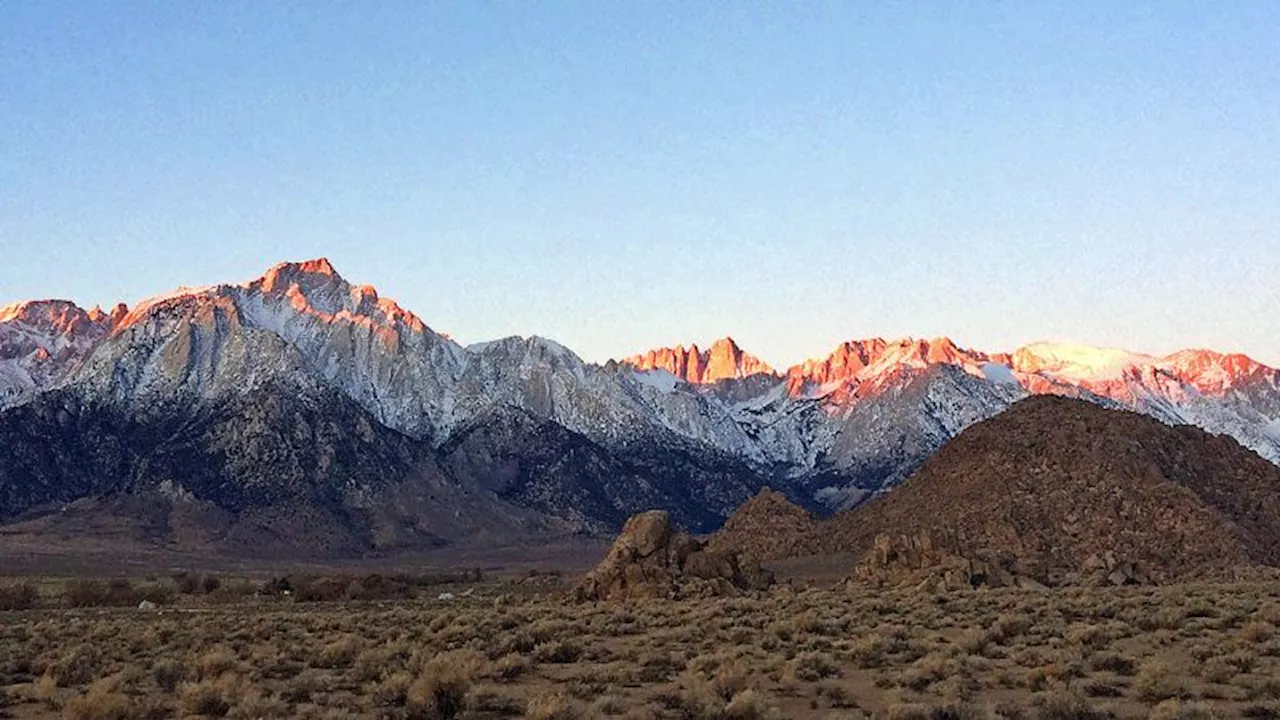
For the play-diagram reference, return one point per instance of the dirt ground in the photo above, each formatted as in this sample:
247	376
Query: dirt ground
515	647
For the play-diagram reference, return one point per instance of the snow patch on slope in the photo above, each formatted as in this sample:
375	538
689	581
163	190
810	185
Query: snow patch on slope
1273	429
999	374
660	380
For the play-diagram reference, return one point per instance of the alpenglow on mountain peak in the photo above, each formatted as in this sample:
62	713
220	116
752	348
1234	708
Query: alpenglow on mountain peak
723	360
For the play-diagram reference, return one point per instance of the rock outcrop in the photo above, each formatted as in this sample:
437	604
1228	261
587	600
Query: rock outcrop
653	559
936	561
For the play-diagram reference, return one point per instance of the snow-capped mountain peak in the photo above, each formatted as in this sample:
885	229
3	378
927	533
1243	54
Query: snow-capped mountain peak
1077	363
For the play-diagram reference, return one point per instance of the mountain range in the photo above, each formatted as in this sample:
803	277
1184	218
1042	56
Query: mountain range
300	410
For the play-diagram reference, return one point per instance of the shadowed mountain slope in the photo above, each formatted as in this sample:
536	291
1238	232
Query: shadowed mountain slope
272	471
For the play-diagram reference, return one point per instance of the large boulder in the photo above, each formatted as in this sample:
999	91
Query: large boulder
651	558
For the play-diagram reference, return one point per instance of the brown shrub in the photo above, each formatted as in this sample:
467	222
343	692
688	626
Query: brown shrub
204	698
1258	631
96	593
812	666
76	667
1068	707
1113	662
509	666
214	662
440	690
559	652
18	596
168	673
1158	680
340	653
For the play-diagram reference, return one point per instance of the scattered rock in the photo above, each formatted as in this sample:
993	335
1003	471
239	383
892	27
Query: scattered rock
653	559
932	561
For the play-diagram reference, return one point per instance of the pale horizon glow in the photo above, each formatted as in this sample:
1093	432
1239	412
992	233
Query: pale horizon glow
623	177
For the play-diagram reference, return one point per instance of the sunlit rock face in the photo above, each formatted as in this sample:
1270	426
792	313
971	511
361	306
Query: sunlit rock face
44	341
724	360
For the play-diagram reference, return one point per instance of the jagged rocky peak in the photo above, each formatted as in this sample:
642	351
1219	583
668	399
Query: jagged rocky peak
918	352
53	318
724	360
846	361
313	280
858	360
314	290
1215	372
111	319
299	321
44	341
1101	368
299	301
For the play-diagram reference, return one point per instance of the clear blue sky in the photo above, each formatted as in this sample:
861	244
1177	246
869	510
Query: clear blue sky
622	175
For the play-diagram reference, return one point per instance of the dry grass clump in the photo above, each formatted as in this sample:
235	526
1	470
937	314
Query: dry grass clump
101	702
553	705
440	689
812	666
745	705
1158	680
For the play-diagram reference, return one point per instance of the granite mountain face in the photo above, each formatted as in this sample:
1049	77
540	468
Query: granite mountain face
300	388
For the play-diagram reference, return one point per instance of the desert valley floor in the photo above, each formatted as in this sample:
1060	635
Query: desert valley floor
451	645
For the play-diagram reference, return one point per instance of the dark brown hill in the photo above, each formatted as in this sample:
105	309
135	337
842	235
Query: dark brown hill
766	527
1056	488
